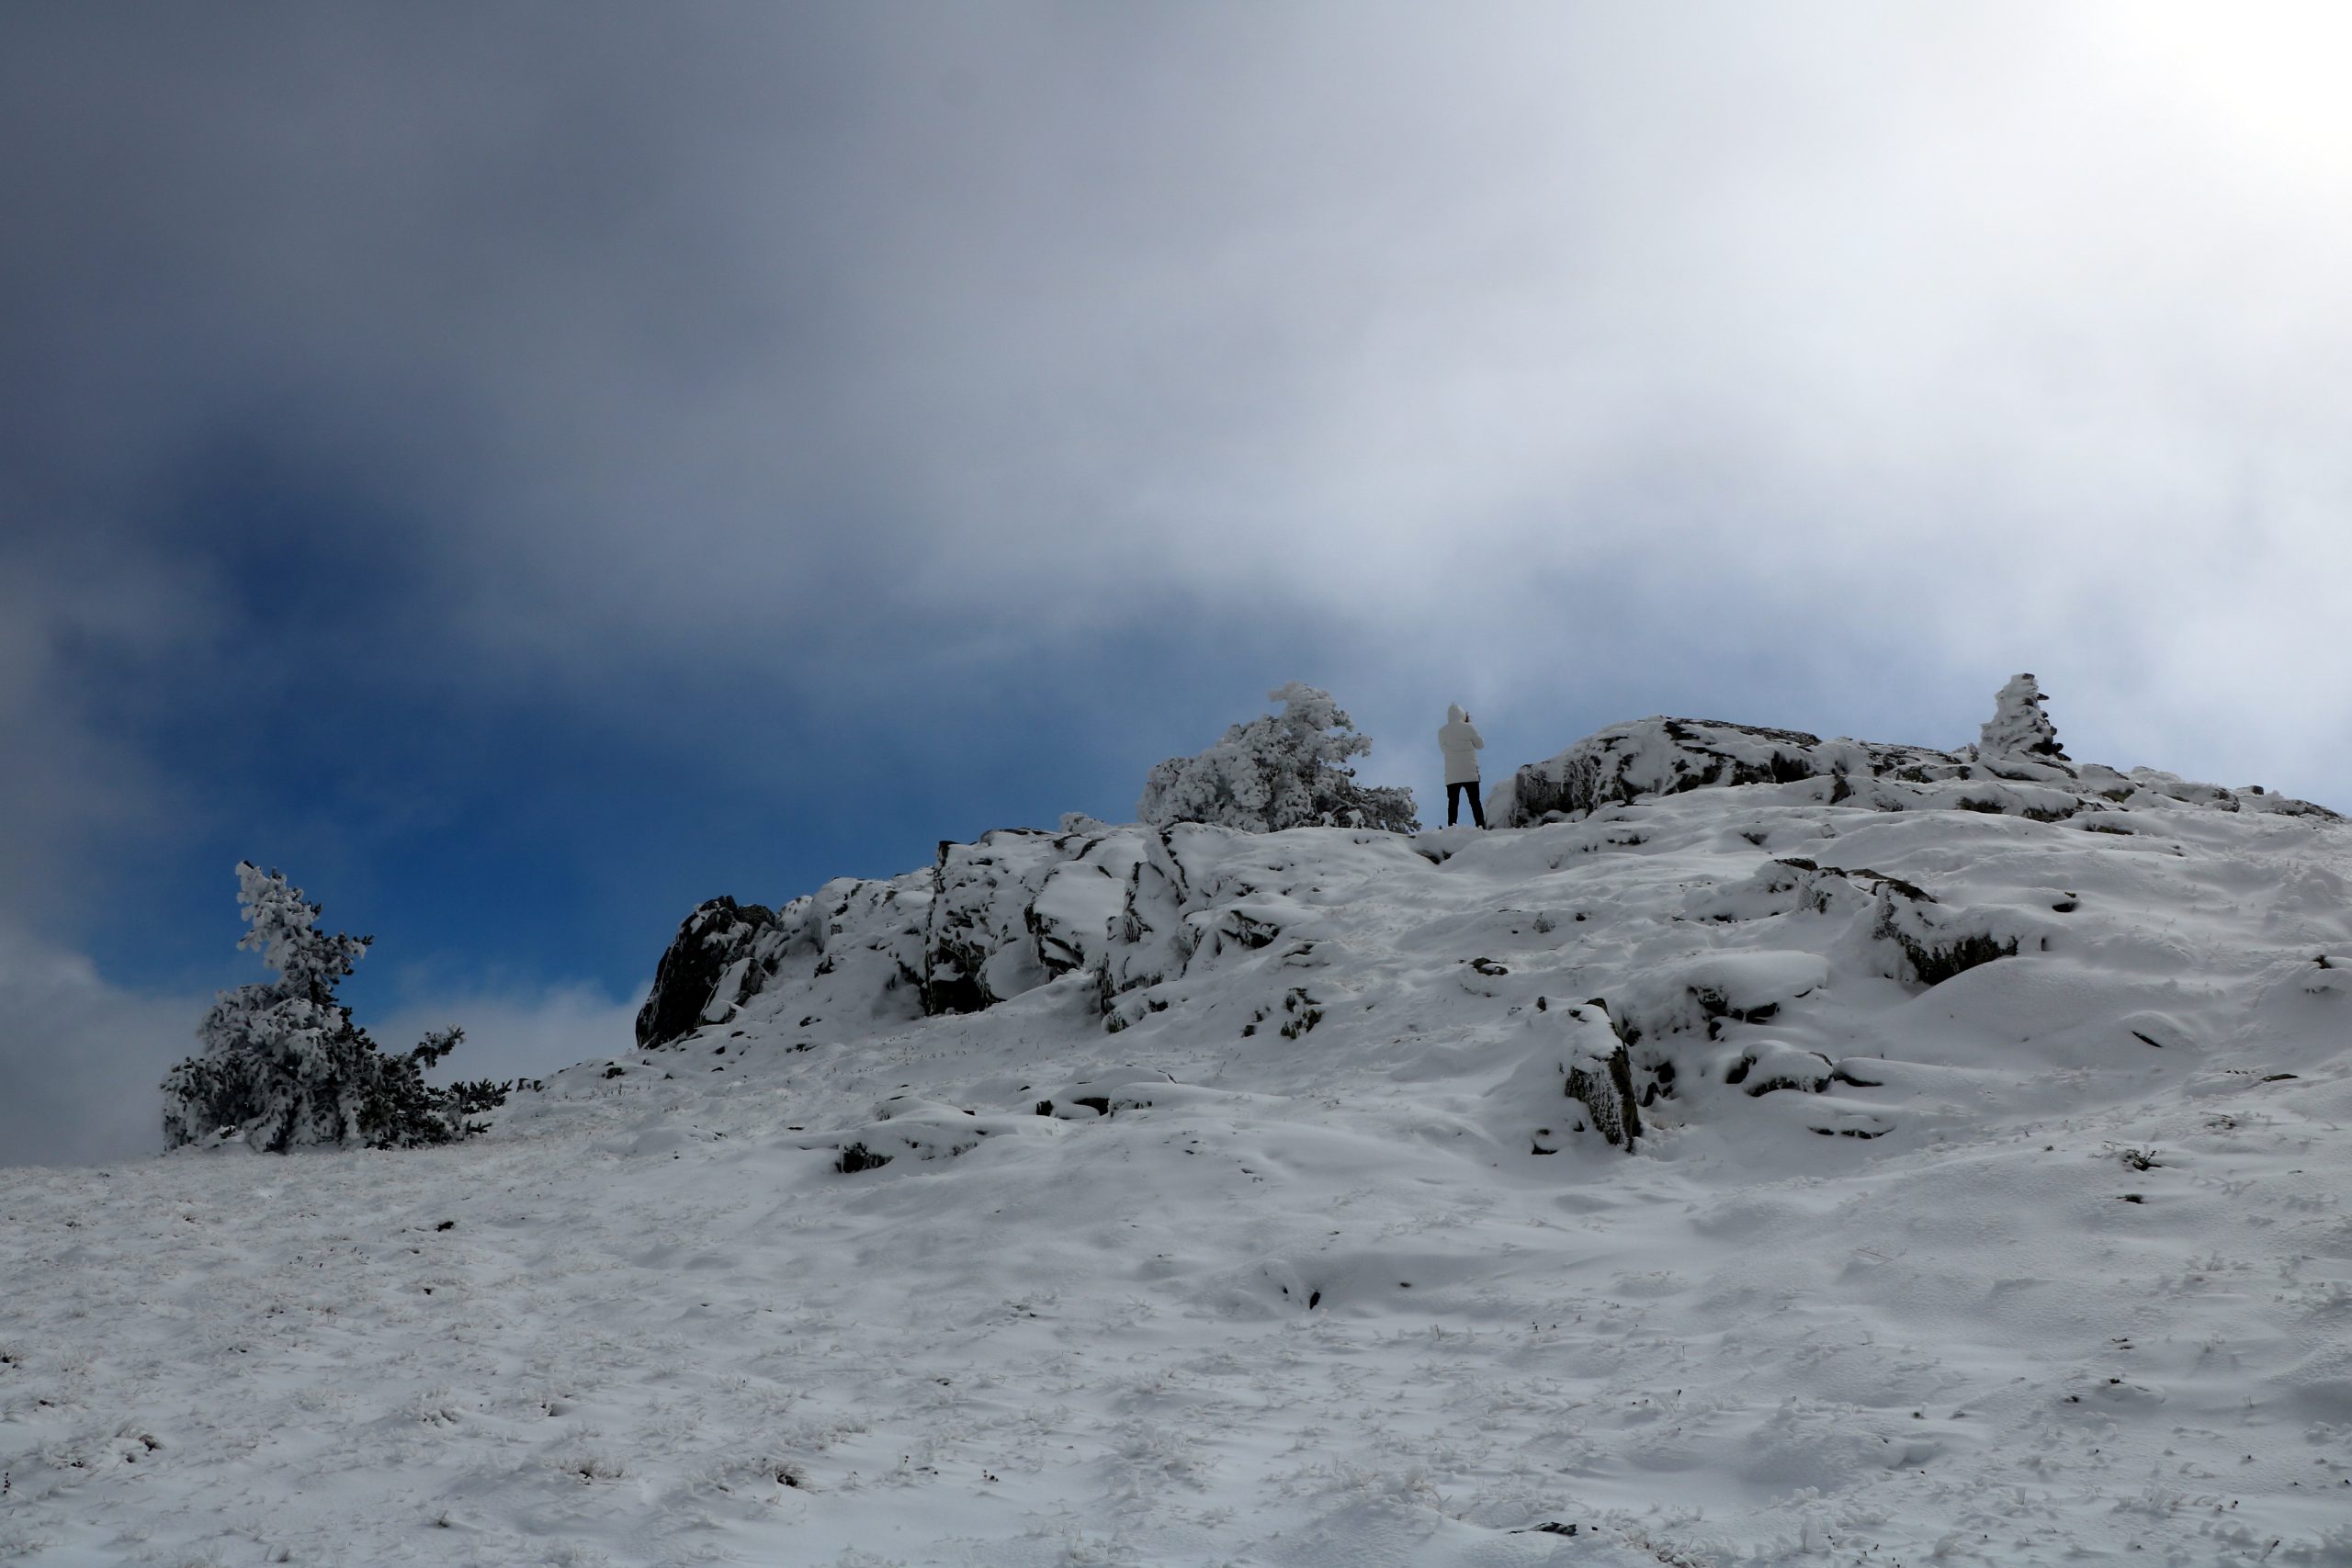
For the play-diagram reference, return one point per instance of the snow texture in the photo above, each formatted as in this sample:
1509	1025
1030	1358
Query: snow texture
1180	1195
1286	770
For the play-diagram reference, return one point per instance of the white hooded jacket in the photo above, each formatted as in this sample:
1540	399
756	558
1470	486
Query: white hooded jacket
1460	742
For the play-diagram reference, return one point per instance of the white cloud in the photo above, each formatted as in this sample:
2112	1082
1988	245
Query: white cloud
2011	307
80	1059
523	1032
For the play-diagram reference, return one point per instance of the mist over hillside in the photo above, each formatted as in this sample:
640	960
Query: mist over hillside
1756	1149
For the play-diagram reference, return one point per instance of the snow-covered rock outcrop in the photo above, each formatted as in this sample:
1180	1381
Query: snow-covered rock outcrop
1129	907
1644	758
1213	929
1649	757
712	955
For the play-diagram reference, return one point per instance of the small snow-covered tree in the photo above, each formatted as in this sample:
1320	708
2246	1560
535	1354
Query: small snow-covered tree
2019	727
1285	770
283	1064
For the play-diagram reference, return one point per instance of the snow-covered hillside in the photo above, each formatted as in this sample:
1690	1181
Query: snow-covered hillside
1897	1158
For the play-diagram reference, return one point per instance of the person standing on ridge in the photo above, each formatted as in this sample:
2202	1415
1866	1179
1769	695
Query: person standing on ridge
1460	741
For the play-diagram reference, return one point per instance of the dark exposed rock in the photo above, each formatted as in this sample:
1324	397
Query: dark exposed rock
1934	965
1778	1081
1608	1097
1600	1077
1245	931
717	936
1716	1007
1895	884
1783	1067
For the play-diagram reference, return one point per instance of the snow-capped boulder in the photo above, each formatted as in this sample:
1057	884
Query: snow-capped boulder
1080	902
1699	994
1570	1076
708	964
1020	908
1150	940
1646	758
1770	1065
1929	946
979	947
1917	939
855	949
1597	1073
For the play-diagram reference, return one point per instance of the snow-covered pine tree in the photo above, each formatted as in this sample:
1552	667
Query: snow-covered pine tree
1285	770
283	1064
2019	727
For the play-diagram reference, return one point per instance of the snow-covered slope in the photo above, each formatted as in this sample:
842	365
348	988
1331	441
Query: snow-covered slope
1132	1196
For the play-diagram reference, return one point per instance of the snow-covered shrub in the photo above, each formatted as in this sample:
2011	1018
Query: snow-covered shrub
283	1064
2019	727
1285	770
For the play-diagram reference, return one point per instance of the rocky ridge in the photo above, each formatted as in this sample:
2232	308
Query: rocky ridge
1138	914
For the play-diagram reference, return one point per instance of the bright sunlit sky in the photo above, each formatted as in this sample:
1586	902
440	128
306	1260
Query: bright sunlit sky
523	470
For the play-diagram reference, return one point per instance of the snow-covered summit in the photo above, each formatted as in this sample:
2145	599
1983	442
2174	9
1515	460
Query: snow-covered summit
1138	909
1916	1159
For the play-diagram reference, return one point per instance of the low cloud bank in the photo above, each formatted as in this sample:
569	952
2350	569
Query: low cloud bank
80	1058
527	1034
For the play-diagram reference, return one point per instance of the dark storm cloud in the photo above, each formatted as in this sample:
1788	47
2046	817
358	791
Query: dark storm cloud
669	324
636	301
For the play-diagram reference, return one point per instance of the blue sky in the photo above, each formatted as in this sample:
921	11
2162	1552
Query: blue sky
522	472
